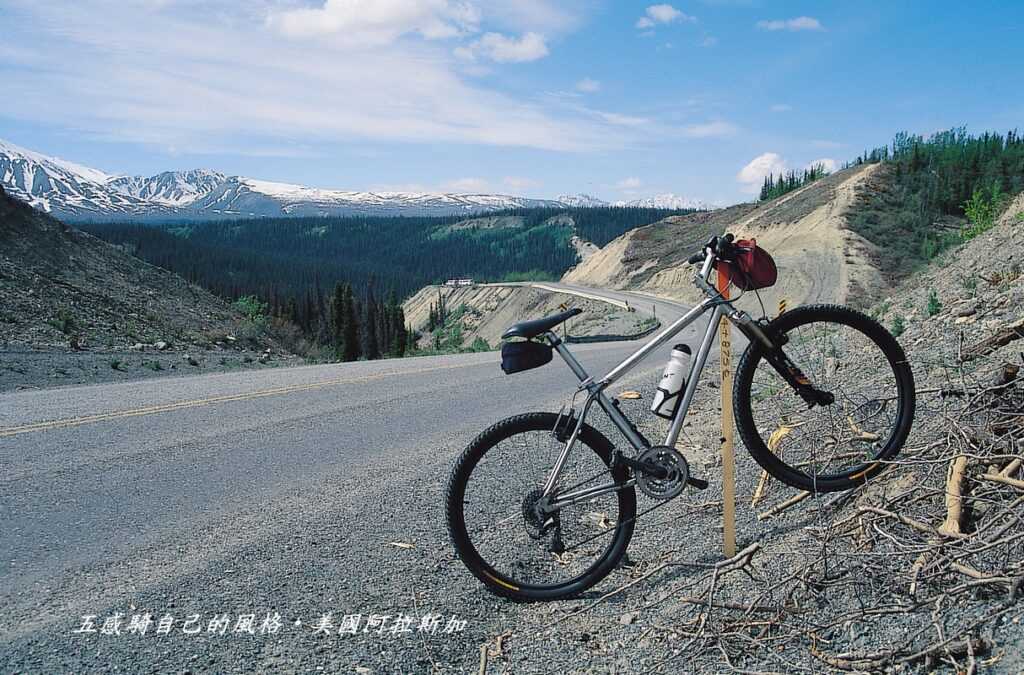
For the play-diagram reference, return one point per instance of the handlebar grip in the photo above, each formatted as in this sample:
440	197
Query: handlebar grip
696	258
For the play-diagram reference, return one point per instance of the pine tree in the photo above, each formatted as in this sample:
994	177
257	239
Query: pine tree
350	333
338	318
401	333
371	345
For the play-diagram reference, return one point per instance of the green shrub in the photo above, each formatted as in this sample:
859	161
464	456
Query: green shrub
64	322
252	307
982	209
897	326
257	321
934	304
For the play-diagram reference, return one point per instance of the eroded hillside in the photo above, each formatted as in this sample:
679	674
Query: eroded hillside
485	311
806	232
75	309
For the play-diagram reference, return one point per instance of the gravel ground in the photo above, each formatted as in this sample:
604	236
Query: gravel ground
327	549
27	368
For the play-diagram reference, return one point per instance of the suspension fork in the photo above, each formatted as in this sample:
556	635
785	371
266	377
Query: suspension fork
772	344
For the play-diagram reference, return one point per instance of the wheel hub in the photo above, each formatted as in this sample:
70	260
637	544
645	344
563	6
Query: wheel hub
537	522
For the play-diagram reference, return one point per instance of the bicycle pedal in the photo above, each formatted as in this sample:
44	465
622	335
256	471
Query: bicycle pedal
698	483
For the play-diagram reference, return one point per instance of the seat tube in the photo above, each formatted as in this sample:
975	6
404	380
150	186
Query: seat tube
695	370
570	360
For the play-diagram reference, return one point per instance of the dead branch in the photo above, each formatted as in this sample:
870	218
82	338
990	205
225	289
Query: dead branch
779	508
954	497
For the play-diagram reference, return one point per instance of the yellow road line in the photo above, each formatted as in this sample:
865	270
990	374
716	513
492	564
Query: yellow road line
181	405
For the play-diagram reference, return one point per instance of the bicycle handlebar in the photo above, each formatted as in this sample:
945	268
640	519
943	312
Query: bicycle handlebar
720	246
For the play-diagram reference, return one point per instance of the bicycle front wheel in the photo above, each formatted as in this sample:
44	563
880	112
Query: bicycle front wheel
500	536
836	446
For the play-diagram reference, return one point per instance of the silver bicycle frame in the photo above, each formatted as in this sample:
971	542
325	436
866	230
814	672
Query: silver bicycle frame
719	308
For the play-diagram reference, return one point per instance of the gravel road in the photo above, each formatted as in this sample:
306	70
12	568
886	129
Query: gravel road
284	495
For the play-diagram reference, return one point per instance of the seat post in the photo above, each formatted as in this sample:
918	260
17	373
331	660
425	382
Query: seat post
559	346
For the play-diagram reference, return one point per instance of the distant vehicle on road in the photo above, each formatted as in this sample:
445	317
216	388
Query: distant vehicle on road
459	282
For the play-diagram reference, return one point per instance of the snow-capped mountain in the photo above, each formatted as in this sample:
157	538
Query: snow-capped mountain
666	201
74	192
53	184
170	188
582	201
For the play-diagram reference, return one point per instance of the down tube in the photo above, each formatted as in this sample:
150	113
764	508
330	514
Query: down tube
695	370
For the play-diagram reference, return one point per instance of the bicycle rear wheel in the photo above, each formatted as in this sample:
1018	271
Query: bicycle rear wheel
497	480
826	448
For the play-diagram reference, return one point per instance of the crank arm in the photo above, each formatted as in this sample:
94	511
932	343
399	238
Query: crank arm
655	471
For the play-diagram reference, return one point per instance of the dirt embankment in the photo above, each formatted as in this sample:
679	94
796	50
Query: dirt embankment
75	309
489	310
819	259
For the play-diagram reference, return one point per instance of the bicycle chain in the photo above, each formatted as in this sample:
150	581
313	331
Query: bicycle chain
624	522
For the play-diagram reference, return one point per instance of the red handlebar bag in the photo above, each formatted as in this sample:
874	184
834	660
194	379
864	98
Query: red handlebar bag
752	268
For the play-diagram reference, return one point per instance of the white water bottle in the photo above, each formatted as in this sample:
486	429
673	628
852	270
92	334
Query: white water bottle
673	381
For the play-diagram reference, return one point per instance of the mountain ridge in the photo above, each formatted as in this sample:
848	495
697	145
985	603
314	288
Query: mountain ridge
74	192
667	200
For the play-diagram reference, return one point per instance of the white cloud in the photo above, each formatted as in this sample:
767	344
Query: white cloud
795	24
753	174
664	13
375	22
519	184
223	82
401	187
630	183
505	49
622	120
588	85
543	16
709	41
781	107
830	164
467	185
715	129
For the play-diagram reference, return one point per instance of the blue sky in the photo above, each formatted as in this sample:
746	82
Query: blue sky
534	97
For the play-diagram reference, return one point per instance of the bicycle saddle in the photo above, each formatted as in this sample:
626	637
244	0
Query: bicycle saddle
531	329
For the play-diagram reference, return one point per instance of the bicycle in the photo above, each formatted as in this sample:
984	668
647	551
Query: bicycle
823	397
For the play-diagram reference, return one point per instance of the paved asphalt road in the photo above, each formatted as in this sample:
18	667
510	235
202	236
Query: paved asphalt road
278	491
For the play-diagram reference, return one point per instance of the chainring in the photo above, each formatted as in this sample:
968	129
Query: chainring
673	462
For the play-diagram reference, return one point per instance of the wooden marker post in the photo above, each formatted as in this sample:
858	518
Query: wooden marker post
728	457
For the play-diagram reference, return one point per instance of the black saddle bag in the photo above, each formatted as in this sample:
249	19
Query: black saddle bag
519	356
